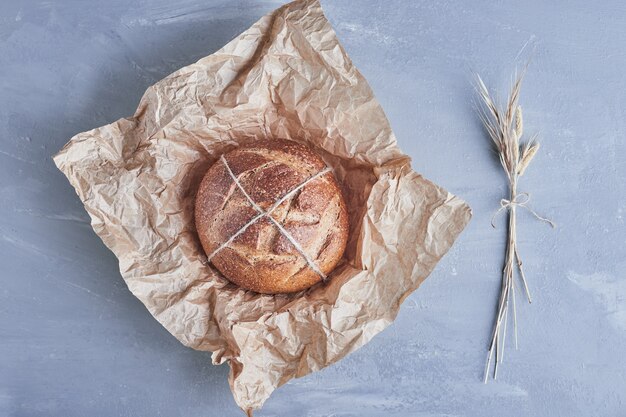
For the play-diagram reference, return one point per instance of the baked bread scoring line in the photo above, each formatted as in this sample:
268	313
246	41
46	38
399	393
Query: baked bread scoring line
267	213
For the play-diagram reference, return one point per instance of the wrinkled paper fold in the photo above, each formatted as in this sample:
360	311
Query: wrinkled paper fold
288	77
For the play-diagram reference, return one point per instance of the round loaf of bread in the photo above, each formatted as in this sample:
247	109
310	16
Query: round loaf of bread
271	217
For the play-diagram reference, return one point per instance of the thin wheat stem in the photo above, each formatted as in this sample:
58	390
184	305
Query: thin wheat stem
514	314
506	319
522	275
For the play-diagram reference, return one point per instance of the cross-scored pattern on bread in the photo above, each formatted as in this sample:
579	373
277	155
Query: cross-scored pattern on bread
271	217
289	197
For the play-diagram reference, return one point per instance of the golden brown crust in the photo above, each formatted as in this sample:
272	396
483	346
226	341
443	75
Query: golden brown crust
261	258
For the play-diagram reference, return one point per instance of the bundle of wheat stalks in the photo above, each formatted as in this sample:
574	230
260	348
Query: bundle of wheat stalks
505	128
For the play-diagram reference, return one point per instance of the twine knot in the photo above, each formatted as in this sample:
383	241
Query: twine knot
520	200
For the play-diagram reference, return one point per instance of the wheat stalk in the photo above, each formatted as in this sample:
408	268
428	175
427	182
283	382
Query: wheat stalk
505	127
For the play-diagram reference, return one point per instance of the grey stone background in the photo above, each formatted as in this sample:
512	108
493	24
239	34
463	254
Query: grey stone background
75	342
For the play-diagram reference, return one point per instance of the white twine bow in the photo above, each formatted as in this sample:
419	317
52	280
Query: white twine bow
520	200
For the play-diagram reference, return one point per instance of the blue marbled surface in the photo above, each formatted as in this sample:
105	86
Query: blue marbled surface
75	342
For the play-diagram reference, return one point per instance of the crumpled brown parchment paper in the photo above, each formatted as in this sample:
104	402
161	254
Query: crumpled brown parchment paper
287	76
